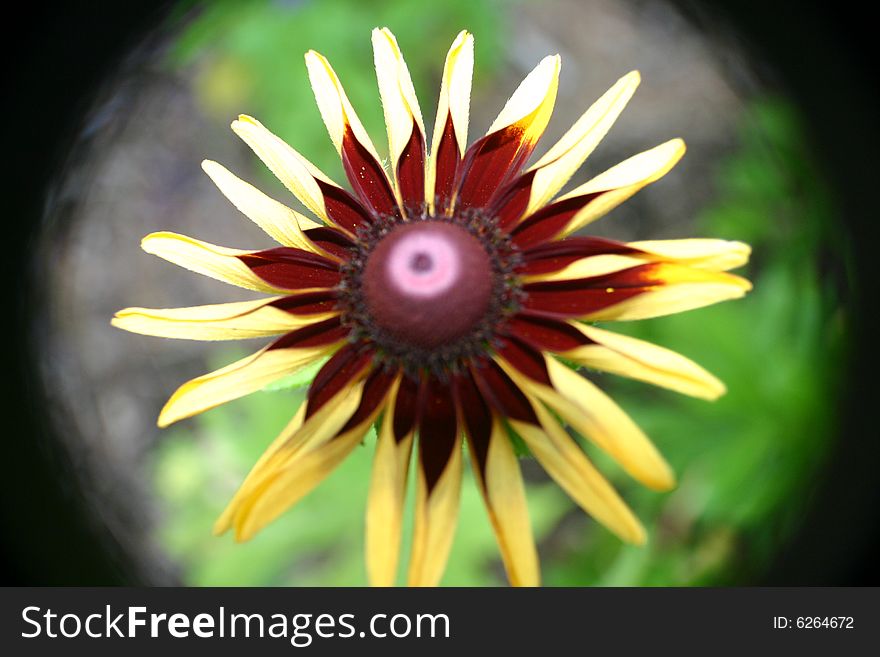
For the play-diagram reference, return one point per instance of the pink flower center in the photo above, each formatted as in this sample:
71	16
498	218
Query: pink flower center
428	283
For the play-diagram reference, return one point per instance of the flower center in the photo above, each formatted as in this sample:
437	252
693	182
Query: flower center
429	293
428	283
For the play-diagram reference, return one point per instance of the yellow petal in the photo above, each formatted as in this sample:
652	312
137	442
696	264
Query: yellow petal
500	155
531	104
644	361
286	443
571	469
303	460
620	182
223	321
237	380
597	265
296	173
680	289
503	492
294	482
706	254
595	416
386	500
454	104
333	104
699	253
436	515
399	100
281	223
299	436
217	262
559	163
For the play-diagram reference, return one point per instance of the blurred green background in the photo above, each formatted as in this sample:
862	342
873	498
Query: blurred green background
747	463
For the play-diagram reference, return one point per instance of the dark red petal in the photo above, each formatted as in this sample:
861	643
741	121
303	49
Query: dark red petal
513	201
501	392
489	163
438	429
367	177
475	414
583	296
293	269
526	359
345	365
333	241
411	172
545	333
554	256
546	224
310	303
314	335
406	407
375	389
343	209
448	160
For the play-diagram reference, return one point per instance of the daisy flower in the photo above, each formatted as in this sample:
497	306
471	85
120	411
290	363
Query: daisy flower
452	304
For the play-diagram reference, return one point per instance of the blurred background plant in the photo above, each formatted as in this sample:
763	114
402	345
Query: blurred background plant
748	463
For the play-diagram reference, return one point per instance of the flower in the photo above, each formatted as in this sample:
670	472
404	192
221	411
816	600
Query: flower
451	300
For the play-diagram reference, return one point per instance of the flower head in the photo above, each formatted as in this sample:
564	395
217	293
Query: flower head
445	293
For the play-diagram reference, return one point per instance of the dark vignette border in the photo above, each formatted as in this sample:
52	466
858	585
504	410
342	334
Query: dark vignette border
55	60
